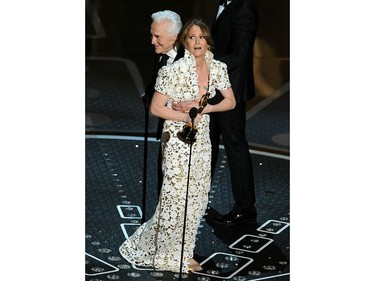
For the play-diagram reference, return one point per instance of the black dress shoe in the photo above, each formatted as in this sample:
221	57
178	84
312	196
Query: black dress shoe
234	217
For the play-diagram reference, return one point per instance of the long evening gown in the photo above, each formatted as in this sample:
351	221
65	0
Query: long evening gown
157	243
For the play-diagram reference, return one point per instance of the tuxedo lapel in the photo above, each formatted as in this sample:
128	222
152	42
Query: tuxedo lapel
214	18
231	6
180	52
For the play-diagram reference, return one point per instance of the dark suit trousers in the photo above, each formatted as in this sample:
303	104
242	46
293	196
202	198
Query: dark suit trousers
231	125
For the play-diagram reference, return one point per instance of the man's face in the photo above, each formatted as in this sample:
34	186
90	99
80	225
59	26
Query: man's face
161	38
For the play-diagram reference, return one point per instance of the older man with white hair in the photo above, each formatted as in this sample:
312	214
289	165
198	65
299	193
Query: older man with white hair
165	28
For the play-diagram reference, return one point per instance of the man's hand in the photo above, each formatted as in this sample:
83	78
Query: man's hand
185	106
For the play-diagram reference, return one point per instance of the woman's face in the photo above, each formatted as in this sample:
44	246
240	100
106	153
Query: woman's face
196	44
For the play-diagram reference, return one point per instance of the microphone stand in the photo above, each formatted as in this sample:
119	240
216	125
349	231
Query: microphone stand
193	113
145	165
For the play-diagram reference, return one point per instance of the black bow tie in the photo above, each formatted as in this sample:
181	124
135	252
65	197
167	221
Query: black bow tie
163	60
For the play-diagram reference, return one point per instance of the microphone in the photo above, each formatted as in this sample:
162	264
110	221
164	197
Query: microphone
189	131
193	113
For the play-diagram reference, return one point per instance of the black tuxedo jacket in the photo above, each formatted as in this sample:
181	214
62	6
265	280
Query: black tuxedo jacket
150	88
233	34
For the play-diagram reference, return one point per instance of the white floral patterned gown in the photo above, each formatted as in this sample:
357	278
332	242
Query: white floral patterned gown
158	242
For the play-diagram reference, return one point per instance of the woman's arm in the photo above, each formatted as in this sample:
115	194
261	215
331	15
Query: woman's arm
227	103
158	108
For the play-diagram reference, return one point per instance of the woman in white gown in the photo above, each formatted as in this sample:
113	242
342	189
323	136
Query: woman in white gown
158	242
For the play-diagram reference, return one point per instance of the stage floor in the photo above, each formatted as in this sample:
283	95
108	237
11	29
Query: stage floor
114	185
114	174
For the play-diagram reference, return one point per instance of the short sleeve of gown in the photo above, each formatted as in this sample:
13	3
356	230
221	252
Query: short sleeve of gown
222	78
163	81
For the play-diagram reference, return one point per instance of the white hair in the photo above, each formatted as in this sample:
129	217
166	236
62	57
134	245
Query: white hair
170	16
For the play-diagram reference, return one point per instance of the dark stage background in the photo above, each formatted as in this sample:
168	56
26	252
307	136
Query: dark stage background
121	28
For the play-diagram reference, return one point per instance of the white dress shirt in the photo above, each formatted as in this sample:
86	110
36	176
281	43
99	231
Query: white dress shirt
221	8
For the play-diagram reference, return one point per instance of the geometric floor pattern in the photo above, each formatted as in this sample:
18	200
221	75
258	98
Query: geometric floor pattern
114	188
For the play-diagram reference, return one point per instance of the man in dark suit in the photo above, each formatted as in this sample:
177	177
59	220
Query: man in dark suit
165	29
233	32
